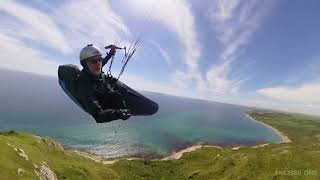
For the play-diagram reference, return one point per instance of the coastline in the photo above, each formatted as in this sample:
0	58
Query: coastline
179	154
100	159
174	155
285	138
23	158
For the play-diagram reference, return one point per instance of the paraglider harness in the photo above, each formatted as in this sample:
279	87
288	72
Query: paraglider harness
128	53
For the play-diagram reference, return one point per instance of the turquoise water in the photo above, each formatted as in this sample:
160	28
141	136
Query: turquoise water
180	122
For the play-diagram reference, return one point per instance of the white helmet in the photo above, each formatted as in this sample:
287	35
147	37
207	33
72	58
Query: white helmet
89	51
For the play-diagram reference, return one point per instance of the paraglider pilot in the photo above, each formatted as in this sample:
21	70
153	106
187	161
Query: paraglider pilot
95	90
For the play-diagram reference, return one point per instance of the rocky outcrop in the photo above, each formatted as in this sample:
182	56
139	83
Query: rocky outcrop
20	171
44	172
48	141
19	151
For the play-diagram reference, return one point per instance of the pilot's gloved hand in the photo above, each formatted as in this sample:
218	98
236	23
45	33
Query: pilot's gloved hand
113	80
125	114
112	51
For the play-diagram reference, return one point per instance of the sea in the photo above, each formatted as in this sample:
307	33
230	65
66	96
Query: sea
36	104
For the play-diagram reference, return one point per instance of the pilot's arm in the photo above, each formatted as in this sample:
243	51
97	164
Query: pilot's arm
111	53
93	106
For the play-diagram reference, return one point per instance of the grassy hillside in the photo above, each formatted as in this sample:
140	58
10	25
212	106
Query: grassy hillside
65	164
299	159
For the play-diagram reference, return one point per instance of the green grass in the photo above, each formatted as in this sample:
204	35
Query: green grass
302	155
66	164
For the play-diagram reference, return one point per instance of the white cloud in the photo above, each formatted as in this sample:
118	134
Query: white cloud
34	25
25	30
165	55
177	16
285	106
16	55
234	23
91	21
217	77
306	94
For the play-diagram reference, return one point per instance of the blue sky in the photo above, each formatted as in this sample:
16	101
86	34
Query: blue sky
248	52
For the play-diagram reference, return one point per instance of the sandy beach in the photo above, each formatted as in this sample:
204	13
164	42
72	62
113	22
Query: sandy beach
178	155
285	139
100	159
94	157
175	155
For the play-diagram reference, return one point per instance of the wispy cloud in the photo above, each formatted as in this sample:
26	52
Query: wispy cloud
234	23
177	16
297	93
299	99
164	54
91	21
32	24
30	60
26	30
73	24
305	94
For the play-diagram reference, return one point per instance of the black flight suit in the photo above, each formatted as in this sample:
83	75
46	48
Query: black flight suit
96	95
